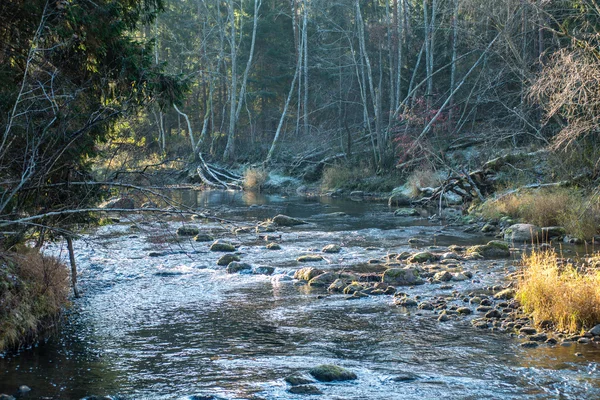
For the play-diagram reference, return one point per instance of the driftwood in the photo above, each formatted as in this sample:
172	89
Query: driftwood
217	177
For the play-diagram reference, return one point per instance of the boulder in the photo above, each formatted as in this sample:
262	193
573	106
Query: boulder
325	279
337	286
402	277
310	258
520	233
307	273
406	212
493	249
203	237
400	197
443	276
331	248
305	390
505	294
235	267
263	270
595	331
421	257
222	246
353	288
227	258
266	226
330	373
405	302
284	220
296	380
273	246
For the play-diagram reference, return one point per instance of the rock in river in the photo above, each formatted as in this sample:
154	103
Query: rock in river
493	249
331	248
520	233
310	258
421	257
203	237
187	231
330	373
235	267
227	258
323	280
305	389
222	246
402	277
284	220
307	273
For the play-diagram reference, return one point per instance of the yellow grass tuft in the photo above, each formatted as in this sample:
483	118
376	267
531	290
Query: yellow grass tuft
255	178
566	295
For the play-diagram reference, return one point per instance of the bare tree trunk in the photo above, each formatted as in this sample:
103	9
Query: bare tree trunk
229	153
305	68
428	70
73	265
453	67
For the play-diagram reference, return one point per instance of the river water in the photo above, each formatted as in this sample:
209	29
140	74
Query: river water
175	325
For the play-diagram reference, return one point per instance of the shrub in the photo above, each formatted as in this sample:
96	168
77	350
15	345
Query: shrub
255	178
33	291
357	177
567	296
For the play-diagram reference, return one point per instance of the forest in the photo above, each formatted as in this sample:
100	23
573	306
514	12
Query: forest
482	113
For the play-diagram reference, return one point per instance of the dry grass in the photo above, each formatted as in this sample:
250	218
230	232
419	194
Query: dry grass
255	178
422	178
33	291
567	296
356	177
558	206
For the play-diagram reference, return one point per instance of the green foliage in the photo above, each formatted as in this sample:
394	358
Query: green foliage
69	71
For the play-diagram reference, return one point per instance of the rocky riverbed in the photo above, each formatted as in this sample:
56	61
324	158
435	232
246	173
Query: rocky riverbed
402	305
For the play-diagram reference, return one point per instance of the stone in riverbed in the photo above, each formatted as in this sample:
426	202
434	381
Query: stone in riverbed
284	220
421	257
305	389
238	267
530	344
406	212
353	288
443	276
402	277
337	286
263	270
187	231
307	273
493	249
203	237
273	246
310	258
325	279
519	233
331	248
595	331
464	310
331	373
405	302
505	294
296	380
222	246
227	258
493	314
443	317
528	330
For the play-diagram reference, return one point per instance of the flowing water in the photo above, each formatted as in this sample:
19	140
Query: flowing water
175	325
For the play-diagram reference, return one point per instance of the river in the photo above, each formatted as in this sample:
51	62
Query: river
175	325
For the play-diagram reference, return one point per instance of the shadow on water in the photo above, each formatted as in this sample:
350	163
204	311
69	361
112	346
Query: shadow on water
177	325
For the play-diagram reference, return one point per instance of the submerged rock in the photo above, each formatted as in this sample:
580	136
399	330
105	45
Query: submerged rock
406	212
307	273
273	246
443	276
296	380
222	246
305	389
330	373
325	279
421	257
337	286
493	249
310	258
227	258
203	237
187	231
402	277
264	270
284	220
235	267
331	248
